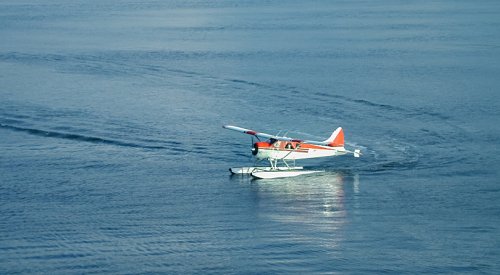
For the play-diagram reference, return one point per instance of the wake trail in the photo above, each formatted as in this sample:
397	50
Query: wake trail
86	138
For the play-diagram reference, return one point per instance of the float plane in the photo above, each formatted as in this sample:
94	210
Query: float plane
278	149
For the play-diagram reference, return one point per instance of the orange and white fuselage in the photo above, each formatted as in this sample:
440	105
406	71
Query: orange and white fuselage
275	149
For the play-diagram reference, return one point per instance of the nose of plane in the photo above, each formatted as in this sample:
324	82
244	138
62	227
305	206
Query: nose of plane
258	149
255	149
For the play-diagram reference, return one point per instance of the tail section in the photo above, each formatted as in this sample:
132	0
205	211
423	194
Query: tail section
336	139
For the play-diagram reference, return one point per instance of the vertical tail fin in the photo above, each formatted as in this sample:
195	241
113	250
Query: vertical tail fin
336	139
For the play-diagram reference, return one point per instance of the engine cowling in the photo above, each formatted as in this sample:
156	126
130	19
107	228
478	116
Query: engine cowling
258	152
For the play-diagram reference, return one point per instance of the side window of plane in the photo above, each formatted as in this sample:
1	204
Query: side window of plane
288	146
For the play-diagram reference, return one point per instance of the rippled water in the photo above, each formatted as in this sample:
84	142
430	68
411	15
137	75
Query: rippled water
113	159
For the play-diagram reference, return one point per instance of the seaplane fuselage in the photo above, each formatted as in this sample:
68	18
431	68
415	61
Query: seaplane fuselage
275	149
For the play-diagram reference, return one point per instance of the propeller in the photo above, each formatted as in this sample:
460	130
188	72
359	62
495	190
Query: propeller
252	145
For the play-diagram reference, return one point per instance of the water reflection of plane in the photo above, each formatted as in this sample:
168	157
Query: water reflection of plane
310	210
317	200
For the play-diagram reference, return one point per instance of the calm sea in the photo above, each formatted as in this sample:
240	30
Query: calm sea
113	158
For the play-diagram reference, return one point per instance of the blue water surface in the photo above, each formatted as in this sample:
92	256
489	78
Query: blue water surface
113	159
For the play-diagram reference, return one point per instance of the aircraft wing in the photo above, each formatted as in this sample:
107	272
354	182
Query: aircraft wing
264	135
249	132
